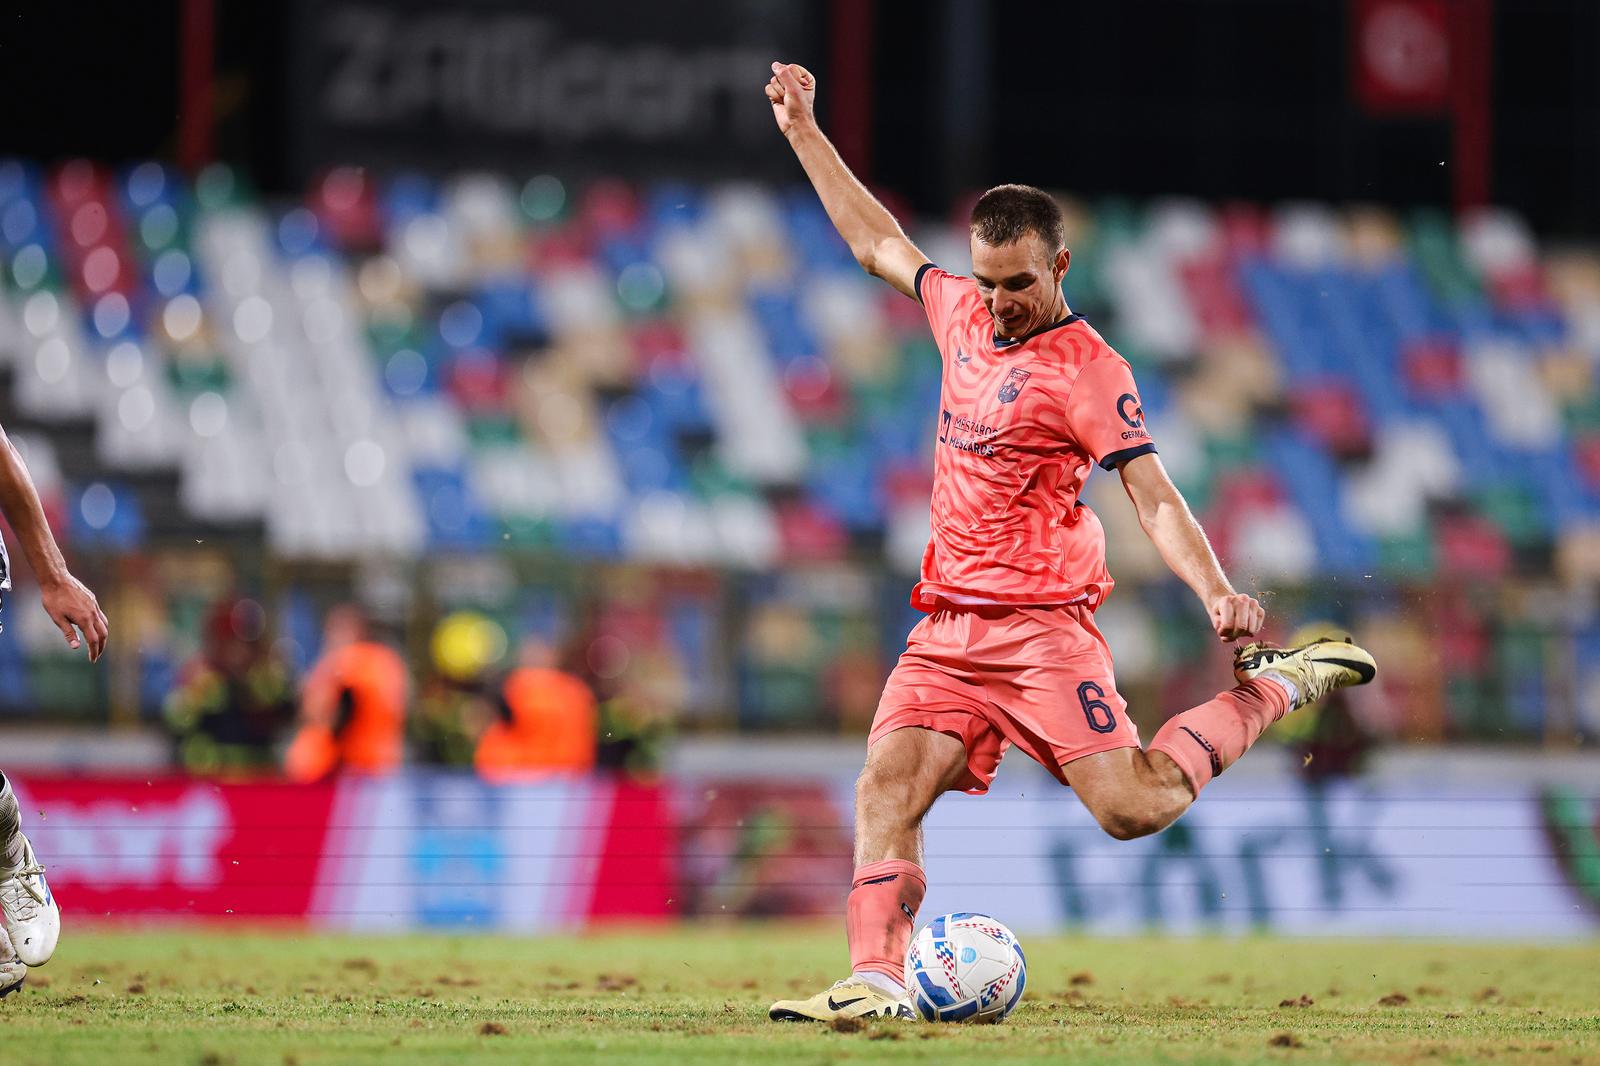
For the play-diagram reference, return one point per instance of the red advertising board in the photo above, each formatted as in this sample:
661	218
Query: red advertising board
362	852
178	846
425	850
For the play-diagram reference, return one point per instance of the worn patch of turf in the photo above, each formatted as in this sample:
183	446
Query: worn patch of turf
700	995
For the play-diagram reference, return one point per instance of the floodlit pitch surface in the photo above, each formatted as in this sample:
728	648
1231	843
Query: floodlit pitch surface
700	995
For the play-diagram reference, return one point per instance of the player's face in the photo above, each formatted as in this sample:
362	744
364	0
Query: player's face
1020	283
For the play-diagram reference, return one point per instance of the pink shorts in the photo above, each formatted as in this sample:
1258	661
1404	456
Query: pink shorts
1037	677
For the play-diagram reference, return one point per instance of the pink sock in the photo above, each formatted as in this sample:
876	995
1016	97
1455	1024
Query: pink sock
1206	740
884	898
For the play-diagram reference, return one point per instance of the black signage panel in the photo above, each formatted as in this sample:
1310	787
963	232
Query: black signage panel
642	89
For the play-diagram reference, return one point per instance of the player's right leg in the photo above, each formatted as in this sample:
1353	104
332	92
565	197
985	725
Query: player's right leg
907	769
28	911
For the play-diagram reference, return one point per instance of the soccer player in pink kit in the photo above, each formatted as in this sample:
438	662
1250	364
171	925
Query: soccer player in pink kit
1009	653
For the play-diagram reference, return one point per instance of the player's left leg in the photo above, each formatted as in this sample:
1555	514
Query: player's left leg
1131	792
28	911
1134	793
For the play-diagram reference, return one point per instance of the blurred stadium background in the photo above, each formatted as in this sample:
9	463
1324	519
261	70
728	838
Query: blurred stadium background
505	489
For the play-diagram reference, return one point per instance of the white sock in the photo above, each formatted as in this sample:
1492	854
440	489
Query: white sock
1284	683
10	828
881	981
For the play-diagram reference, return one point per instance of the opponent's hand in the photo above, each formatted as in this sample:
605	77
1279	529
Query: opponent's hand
69	603
792	91
1237	616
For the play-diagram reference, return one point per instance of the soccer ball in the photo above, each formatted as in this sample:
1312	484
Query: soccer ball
965	967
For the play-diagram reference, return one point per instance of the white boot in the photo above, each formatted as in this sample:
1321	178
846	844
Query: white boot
28	912
13	971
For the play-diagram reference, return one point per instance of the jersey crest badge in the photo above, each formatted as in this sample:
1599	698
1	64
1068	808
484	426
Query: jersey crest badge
1015	379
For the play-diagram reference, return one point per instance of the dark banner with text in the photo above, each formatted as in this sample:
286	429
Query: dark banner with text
599	88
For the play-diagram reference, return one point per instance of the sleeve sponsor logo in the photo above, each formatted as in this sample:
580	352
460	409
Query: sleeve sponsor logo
1131	410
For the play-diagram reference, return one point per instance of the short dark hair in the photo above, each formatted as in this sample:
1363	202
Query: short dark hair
1007	213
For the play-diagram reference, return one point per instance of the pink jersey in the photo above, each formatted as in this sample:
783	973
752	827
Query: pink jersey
1020	424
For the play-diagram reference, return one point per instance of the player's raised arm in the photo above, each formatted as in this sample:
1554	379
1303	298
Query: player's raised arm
1171	526
66	599
875	238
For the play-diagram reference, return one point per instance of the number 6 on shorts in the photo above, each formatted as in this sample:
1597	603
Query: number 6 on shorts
1095	709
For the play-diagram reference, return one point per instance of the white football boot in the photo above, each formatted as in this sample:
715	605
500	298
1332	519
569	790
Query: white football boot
28	911
13	971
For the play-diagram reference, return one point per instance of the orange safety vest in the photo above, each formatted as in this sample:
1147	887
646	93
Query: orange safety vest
372	740
554	728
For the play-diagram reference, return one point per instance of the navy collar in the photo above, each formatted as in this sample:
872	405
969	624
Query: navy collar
1008	342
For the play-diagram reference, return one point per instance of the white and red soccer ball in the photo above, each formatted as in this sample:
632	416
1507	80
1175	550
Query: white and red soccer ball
965	967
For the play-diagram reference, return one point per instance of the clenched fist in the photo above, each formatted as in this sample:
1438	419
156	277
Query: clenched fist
793	93
1237	616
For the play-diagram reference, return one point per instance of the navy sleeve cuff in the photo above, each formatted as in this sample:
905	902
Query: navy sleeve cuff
916	286
1116	459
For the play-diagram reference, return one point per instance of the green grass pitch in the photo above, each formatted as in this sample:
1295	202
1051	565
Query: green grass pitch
700	995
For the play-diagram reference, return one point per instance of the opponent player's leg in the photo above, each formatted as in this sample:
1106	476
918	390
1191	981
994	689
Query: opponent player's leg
28	911
1134	793
906	771
13	971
